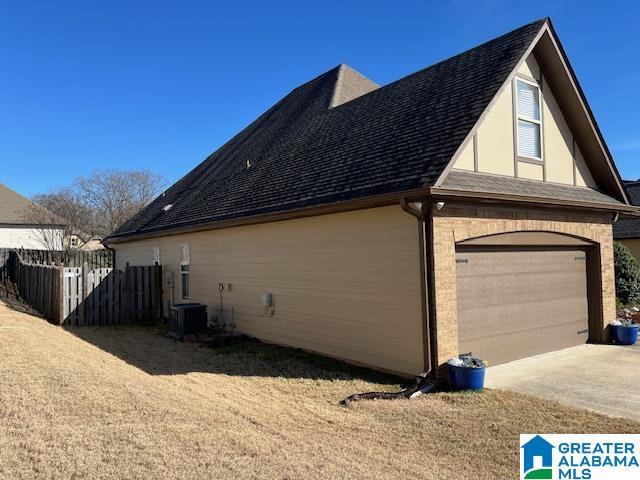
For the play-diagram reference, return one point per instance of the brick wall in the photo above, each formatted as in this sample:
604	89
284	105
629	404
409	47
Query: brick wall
453	225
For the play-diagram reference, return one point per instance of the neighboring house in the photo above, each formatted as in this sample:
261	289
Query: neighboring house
77	242
94	243
23	224
465	207
627	229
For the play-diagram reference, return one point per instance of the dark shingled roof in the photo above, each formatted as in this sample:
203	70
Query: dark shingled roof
303	153
629	227
18	210
482	183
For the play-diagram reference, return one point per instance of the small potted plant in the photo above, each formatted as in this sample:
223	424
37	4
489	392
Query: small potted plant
467	372
624	331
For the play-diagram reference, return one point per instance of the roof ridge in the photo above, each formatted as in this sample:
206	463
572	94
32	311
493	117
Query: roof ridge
465	52
337	87
392	139
360	87
541	21
347	66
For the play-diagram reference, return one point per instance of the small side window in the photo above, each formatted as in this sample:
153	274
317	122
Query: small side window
156	255
529	121
185	261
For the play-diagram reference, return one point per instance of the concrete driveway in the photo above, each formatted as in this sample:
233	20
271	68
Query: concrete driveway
603	378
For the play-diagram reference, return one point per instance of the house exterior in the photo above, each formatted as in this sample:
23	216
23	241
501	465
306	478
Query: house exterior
83	242
627	229
465	207
93	244
23	224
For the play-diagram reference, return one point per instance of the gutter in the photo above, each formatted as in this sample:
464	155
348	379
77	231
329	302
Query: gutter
374	201
545	202
427	283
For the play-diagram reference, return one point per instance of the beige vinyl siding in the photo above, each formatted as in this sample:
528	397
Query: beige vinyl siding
346	285
136	253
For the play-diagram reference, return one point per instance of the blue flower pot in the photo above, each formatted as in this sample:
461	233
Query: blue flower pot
624	335
465	378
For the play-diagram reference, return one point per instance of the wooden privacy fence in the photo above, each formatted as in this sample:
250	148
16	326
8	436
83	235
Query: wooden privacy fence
40	286
64	258
4	268
107	296
82	296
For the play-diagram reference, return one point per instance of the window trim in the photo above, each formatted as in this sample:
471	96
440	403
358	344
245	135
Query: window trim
517	117
186	273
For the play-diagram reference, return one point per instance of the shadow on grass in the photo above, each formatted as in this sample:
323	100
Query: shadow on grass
146	348
8	297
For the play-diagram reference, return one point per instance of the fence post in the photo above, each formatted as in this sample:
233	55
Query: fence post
159	292
82	306
60	296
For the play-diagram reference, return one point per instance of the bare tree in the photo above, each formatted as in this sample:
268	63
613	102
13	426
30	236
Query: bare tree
50	229
66	205
94	205
116	195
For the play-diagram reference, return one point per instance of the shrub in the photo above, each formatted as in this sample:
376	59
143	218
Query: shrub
627	274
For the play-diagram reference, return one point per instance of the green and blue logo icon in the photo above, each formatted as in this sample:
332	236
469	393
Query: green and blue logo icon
580	456
536	459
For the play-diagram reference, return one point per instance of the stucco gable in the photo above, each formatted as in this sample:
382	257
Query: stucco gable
574	152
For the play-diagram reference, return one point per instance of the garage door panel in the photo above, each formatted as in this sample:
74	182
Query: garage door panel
493	292
517	303
495	320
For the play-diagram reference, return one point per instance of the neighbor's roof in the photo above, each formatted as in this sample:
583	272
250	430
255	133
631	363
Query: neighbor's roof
629	227
340	137
16	209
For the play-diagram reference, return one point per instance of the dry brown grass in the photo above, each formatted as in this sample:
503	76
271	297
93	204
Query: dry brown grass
128	403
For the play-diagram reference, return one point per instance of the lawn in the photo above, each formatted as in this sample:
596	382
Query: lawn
127	403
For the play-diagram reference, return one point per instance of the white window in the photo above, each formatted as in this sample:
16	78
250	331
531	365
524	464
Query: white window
156	255
529	121
185	260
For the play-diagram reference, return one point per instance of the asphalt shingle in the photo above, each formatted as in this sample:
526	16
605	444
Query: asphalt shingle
629	227
477	182
303	153
18	210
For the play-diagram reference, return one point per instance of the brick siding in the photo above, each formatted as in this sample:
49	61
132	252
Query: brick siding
452	225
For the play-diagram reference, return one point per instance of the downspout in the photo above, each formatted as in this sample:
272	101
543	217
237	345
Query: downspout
424	381
423	213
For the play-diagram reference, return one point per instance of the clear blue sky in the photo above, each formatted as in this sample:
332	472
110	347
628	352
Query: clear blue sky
160	85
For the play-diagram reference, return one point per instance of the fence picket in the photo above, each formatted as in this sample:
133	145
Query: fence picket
77	296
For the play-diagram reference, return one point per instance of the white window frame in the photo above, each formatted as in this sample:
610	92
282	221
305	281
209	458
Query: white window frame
156	255
528	119
185	273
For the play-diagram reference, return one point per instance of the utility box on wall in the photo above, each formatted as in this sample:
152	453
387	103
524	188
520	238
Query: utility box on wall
266	299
